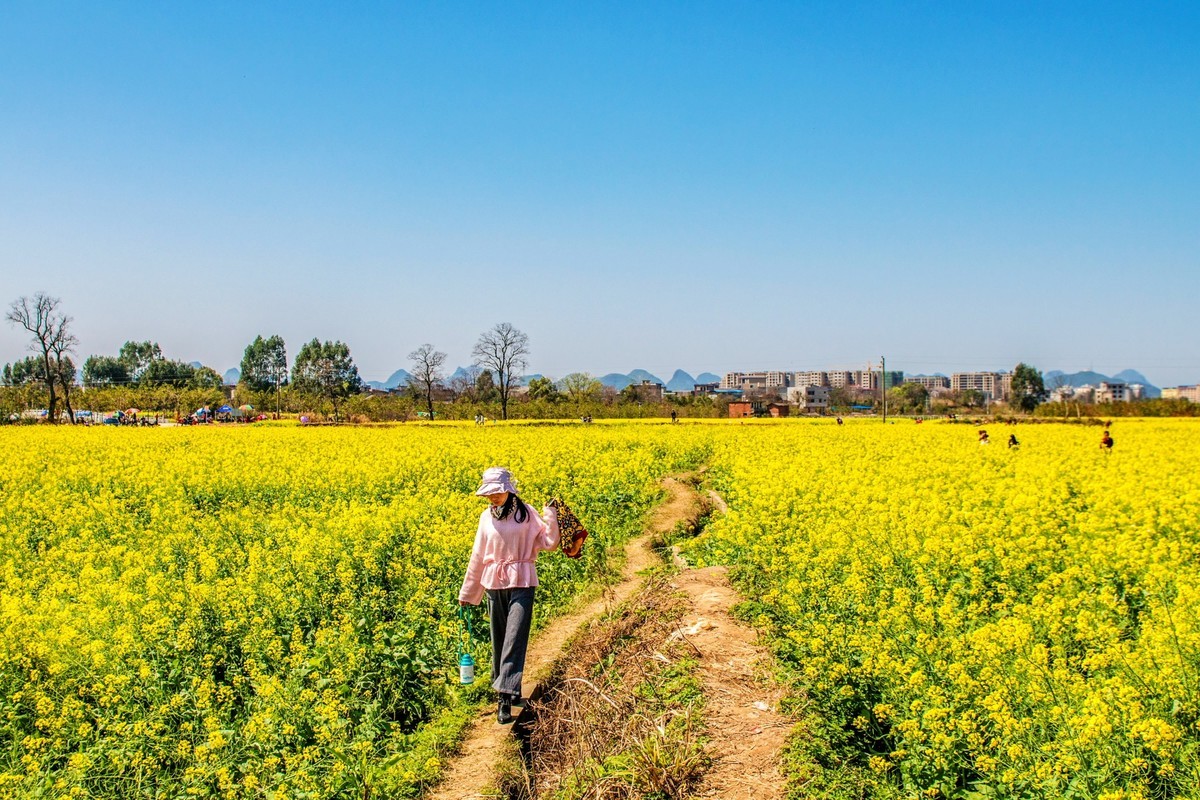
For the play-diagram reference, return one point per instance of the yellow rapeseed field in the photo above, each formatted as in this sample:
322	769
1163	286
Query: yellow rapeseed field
227	612
976	621
269	612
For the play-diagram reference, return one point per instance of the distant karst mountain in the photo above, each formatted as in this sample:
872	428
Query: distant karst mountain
229	378
639	375
1055	378
616	380
401	377
1132	376
396	379
681	382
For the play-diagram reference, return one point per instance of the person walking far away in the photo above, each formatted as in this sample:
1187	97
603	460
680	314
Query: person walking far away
503	564
1012	440
983	438
1106	442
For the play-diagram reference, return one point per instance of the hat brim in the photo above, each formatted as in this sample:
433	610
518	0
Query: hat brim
491	488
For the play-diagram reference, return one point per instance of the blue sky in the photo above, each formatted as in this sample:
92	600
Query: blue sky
655	185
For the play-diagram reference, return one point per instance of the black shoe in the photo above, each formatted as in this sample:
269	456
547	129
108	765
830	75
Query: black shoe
504	713
516	700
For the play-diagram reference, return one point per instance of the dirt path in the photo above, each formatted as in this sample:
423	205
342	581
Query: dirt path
470	774
745	729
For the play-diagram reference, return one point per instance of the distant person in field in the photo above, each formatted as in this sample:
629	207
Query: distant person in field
983	438
839	420
503	565
1012	440
1106	442
674	416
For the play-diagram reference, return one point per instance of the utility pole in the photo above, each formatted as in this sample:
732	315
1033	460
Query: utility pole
883	385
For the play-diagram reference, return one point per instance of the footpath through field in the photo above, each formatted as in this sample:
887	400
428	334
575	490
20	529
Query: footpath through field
745	731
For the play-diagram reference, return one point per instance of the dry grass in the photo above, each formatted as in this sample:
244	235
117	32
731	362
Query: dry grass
619	715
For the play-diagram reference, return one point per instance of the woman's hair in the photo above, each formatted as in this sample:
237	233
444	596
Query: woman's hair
514	502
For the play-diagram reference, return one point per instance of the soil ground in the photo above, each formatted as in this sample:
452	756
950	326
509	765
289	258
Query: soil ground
746	732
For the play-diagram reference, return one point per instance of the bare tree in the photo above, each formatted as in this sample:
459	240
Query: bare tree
427	372
52	339
502	350
63	343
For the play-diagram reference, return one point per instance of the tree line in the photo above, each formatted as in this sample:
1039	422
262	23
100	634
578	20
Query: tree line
323	376
322	372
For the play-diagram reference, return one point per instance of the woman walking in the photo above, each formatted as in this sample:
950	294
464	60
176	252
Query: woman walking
503	563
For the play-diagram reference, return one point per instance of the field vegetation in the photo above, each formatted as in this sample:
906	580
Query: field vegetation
976	621
223	612
268	610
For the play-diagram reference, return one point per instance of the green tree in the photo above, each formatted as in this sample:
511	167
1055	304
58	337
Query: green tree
485	388
137	356
504	350
543	389
264	364
971	398
840	398
1028	388
26	372
580	386
327	371
907	398
427	373
206	378
166	372
104	371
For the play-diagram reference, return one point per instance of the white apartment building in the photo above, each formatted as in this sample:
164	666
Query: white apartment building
1118	392
869	379
809	398
1189	393
812	378
747	381
840	379
930	382
993	385
1063	393
1084	394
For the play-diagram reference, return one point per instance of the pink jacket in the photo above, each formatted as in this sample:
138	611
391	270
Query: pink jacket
505	552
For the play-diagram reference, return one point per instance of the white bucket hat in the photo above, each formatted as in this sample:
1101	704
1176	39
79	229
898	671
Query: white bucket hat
496	480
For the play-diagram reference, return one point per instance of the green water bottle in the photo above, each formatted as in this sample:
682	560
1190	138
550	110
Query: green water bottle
466	669
466	664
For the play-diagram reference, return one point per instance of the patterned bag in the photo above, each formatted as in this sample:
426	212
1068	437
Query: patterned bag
572	530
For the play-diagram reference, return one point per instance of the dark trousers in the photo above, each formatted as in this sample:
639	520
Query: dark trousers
511	611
